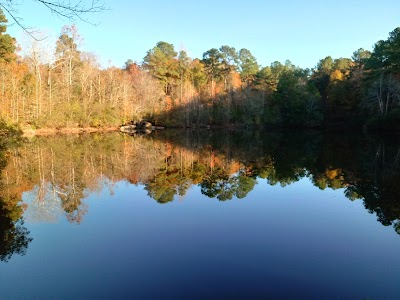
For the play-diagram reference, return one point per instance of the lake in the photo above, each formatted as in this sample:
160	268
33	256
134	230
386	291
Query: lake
201	215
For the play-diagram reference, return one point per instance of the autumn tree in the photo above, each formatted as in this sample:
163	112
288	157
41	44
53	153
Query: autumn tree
38	57
67	51
15	82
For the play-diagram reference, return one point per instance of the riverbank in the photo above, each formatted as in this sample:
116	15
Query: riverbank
29	132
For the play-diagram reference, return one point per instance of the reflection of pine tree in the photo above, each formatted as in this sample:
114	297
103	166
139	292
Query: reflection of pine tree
164	187
14	237
223	187
379	186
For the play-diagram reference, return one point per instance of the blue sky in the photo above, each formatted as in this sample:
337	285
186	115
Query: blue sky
302	31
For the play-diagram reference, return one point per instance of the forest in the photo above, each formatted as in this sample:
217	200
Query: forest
67	88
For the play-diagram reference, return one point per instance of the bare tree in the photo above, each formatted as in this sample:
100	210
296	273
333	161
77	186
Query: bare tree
66	9
37	55
384	95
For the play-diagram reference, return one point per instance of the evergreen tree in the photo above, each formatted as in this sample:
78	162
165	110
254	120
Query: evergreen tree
7	43
161	63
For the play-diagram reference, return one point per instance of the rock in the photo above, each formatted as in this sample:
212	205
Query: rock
128	128
144	124
143	127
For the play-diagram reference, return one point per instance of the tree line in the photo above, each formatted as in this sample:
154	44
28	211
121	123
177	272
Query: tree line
226	87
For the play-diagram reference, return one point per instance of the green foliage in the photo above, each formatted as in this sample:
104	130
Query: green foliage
161	63
14	237
230	58
385	55
245	185
184	64
247	66
163	189
7	43
325	65
10	134
212	60
198	75
298	100
361	56
66	47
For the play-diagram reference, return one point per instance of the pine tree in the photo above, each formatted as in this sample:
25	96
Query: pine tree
7	43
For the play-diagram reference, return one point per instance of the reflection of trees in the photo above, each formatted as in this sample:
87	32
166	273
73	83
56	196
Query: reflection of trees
366	169
223	187
59	172
72	193
14	236
164	187
379	185
46	208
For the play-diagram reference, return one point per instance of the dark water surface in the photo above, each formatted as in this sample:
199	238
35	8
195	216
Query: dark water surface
201	215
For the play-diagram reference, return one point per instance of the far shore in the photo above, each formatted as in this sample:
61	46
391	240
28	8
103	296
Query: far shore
52	131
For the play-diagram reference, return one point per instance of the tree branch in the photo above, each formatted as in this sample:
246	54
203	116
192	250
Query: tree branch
65	9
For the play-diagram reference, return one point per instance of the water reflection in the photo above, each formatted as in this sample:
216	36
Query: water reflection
14	236
53	175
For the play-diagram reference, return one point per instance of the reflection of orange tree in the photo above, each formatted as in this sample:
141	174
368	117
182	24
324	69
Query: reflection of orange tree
59	170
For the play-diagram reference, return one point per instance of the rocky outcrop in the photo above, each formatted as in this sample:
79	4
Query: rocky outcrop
142	127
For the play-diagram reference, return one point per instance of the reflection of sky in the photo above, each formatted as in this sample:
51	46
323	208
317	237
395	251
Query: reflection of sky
296	242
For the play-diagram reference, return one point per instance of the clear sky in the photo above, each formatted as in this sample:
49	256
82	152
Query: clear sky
302	31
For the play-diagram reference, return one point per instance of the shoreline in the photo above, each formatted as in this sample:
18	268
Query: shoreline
52	131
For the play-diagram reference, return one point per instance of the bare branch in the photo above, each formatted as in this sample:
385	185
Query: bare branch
64	9
18	20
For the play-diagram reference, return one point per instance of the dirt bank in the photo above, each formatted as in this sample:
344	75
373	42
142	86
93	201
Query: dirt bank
51	131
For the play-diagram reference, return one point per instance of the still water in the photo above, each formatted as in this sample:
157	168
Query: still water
201	215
